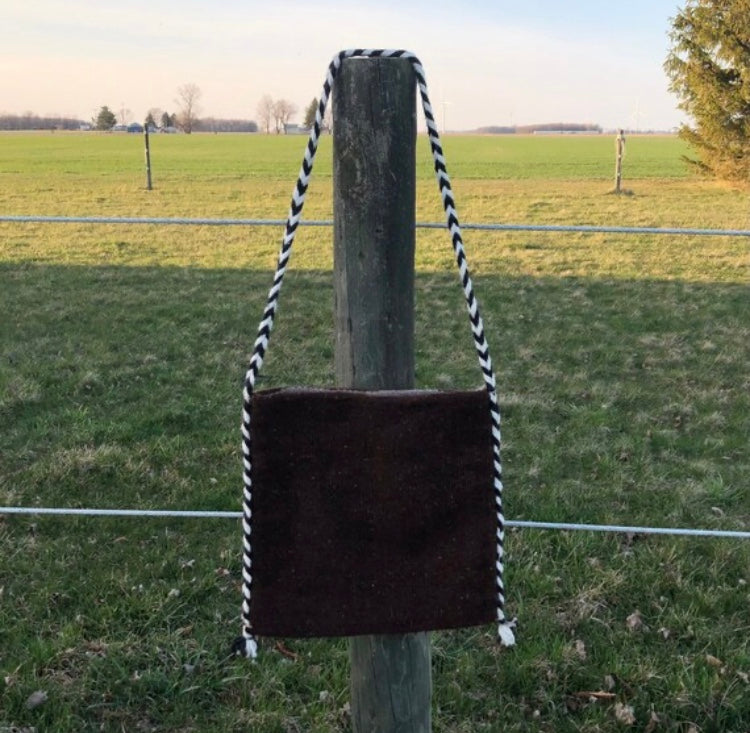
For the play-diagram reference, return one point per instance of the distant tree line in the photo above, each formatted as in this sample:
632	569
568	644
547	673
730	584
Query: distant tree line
156	119
215	124
544	127
186	119
558	127
30	121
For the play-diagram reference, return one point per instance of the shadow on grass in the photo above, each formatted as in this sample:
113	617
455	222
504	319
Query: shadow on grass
622	401
130	374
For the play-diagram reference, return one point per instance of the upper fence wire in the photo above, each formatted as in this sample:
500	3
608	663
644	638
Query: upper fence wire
419	225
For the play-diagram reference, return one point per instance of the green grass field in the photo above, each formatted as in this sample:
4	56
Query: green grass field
622	364
239	157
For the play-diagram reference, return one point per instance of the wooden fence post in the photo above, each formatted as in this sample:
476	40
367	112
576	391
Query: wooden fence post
619	151
148	157
374	159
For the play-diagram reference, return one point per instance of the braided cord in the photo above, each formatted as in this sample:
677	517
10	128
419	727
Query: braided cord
246	645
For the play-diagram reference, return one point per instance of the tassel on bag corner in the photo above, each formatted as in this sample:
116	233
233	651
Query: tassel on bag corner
505	632
246	647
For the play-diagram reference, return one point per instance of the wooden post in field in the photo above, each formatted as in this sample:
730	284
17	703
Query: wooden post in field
619	152
148	158
374	143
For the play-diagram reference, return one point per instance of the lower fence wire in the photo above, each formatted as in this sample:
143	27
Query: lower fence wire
519	524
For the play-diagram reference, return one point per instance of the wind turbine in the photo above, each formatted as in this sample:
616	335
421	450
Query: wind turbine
443	104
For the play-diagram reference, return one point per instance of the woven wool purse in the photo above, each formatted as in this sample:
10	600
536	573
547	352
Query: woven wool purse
370	512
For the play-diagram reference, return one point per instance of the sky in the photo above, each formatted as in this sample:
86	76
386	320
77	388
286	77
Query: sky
487	62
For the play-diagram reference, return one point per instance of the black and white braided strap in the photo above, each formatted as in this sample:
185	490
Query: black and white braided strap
247	644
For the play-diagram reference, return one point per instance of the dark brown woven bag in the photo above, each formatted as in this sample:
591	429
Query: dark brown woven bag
372	512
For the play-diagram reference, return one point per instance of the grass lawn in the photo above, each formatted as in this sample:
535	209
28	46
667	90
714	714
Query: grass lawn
623	375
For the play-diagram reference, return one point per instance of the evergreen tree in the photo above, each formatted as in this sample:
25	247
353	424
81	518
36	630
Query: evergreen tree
310	111
709	69
105	120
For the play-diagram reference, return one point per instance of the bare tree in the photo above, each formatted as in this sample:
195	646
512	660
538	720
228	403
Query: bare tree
283	111
328	119
187	99
124	114
265	113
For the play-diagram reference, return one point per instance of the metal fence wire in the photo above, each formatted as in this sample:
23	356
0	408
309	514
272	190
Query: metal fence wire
585	229
519	524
